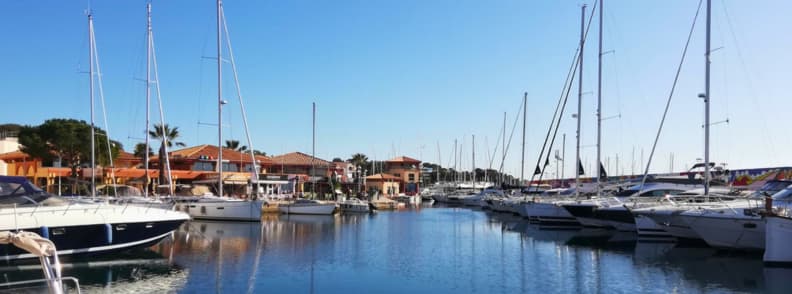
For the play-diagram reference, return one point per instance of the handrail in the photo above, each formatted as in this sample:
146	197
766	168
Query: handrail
45	250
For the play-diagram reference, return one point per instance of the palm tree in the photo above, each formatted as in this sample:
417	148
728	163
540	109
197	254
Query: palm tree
359	160
164	133
234	145
140	150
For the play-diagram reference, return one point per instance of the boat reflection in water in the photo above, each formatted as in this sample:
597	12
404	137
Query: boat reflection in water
433	250
132	272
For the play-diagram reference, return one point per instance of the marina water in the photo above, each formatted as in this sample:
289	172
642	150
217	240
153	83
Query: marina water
421	250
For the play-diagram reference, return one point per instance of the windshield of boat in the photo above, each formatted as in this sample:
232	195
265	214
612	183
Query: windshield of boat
785	194
771	187
20	192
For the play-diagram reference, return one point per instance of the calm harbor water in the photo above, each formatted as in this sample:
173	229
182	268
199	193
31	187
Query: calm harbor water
424	250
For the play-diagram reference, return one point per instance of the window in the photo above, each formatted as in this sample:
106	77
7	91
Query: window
203	166
249	167
411	177
397	175
230	167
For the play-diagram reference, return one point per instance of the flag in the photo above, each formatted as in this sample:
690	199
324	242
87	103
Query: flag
580	168
537	170
603	174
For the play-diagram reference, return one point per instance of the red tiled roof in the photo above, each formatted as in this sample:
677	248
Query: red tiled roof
298	158
211	152
404	159
126	156
382	177
13	155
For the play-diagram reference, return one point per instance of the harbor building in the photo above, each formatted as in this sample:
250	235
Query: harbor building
407	170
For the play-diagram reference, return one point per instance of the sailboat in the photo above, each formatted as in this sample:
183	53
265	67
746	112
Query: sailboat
549	210
310	206
219	207
80	227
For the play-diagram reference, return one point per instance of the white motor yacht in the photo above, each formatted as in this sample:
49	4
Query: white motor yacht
308	206
79	228
354	205
210	207
479	199
778	235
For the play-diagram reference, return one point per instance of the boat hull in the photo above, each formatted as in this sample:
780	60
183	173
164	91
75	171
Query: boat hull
547	214
585	214
89	229
744	233
315	209
223	210
777	240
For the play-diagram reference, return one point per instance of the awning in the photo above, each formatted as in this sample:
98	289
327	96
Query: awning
278	182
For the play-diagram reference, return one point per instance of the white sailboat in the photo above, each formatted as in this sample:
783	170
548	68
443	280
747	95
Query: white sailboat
220	207
310	206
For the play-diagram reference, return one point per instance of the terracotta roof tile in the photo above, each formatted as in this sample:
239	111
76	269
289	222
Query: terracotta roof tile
383	177
404	159
298	158
211	152
13	155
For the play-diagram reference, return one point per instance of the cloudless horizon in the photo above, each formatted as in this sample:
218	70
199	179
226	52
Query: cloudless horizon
393	78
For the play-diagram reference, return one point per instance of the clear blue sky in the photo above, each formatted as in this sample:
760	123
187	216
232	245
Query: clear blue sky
397	77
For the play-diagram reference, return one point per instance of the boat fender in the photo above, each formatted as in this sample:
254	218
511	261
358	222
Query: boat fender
109	233
45	232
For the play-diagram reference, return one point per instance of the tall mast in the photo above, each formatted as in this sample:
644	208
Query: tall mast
91	94
439	162
580	98
456	171
522	161
313	147
563	155
219	101
503	150
707	103
599	102
473	163
148	94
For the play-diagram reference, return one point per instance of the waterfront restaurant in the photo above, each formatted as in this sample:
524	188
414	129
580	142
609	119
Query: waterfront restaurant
198	165
306	170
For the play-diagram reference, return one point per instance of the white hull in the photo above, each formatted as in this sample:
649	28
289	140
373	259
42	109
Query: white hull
666	218
317	209
649	229
547	213
354	207
777	240
729	231
230	210
91	228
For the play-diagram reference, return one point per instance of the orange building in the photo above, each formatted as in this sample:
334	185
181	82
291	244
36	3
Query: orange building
408	170
385	184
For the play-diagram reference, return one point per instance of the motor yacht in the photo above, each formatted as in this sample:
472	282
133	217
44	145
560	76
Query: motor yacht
79	228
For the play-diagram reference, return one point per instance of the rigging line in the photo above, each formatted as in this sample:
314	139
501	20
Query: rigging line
161	115
104	113
495	152
239	95
132	120
614	71
748	80
514	126
670	95
568	88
